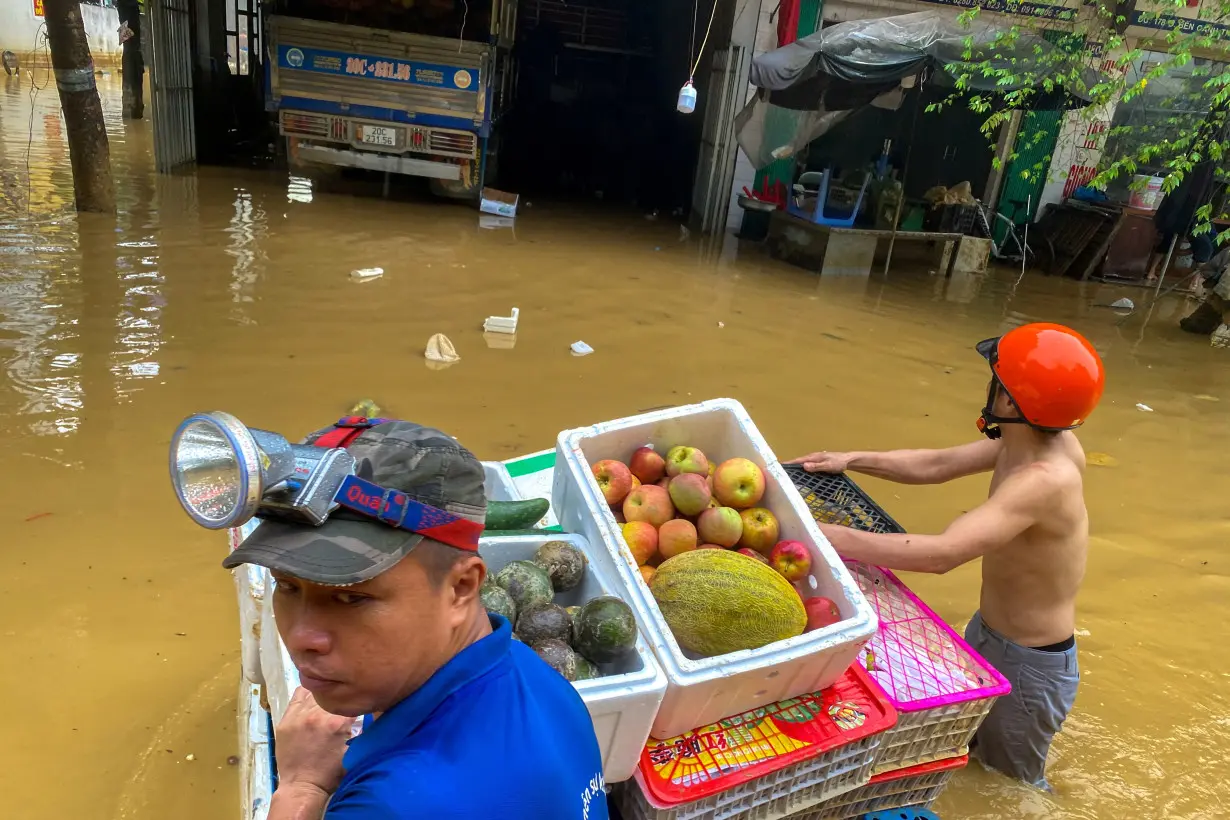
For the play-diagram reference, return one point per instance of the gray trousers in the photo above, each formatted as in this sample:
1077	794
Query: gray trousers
1017	734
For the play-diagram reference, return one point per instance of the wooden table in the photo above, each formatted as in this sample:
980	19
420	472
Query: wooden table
826	249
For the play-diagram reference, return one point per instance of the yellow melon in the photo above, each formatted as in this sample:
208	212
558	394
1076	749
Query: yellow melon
718	601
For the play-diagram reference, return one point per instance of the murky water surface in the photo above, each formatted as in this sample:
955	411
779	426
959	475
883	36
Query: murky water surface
230	290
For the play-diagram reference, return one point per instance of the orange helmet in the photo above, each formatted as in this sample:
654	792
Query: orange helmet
1052	374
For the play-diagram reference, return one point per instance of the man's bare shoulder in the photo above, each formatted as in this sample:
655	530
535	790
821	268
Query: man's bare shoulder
1043	480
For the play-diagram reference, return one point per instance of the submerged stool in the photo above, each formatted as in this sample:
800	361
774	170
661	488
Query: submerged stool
818	216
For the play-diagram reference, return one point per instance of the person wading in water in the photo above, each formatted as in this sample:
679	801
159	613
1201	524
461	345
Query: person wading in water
1032	533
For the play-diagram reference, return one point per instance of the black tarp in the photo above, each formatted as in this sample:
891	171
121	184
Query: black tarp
810	85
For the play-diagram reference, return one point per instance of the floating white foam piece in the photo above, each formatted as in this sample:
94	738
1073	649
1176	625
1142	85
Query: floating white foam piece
365	274
441	350
581	349
502	324
1146	408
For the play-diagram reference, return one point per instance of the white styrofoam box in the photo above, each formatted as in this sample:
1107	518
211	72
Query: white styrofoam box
497	483
625	701
250	587
281	676
255	755
622	704
705	690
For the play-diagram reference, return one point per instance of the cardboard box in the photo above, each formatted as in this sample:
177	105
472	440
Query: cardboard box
498	203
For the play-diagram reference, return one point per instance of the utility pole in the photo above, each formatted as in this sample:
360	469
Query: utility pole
83	117
133	62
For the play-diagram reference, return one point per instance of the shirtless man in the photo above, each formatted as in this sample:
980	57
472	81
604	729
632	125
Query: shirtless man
1032	533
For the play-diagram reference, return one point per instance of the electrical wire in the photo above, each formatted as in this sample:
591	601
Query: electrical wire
35	88
704	42
461	38
692	34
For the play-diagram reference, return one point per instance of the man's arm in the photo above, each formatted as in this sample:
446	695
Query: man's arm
310	745
1015	506
297	801
910	466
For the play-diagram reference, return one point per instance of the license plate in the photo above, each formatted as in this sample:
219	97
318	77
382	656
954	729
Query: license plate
379	136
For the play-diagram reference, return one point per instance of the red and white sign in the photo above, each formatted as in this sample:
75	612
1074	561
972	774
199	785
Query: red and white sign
38	8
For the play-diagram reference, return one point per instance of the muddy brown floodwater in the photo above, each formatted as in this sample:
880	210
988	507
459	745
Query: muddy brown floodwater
228	289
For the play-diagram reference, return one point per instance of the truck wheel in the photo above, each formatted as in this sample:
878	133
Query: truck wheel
454	189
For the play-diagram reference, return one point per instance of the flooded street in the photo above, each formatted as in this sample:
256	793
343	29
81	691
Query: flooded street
229	289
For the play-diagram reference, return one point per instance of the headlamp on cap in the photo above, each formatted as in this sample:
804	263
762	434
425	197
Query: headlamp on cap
225	473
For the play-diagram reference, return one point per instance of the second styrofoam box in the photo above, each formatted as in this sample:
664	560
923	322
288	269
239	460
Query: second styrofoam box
701	691
622	704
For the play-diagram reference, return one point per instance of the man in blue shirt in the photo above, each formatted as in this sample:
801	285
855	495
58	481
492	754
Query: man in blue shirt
380	621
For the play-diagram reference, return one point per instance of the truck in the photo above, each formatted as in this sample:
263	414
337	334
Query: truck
403	88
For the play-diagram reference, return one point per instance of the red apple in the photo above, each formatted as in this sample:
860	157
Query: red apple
720	525
689	493
647	465
754	554
682	459
614	479
676	537
821	612
791	559
760	530
738	483
649	502
642	540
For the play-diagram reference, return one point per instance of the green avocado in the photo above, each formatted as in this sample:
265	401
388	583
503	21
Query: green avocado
605	629
527	583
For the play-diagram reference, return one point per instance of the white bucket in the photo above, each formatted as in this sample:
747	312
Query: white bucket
1146	192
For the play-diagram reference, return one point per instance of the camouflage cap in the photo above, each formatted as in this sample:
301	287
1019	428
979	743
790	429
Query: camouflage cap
427	465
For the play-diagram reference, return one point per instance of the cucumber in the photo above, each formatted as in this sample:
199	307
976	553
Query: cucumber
516	515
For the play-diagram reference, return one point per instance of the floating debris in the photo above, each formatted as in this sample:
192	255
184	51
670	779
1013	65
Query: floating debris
365	408
1144	407
581	349
441	351
1101	460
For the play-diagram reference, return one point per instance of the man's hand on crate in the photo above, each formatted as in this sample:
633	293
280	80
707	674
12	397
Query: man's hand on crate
823	462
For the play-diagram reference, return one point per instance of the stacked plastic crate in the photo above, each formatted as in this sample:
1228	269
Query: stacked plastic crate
940	687
752	733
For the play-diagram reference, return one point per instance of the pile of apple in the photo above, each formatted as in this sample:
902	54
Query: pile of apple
670	505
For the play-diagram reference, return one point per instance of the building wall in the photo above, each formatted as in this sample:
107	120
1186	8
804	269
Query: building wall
21	33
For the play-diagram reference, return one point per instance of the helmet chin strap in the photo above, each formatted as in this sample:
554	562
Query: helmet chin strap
988	422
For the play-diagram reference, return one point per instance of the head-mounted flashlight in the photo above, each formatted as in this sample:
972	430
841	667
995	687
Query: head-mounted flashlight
225	473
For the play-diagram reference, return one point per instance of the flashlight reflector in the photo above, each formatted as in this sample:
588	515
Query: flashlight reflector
216	470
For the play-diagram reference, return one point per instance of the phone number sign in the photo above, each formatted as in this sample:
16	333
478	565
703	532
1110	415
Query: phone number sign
405	72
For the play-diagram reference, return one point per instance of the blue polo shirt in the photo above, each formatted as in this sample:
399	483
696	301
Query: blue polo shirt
494	734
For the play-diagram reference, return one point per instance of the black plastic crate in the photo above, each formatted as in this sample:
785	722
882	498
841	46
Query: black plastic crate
836	499
962	219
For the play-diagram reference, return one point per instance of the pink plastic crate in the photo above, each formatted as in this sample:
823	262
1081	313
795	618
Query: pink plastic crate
942	689
916	786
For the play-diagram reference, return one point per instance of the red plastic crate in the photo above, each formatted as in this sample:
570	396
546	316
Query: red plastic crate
913	786
779	758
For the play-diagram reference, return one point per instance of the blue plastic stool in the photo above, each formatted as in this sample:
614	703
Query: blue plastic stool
909	813
818	216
